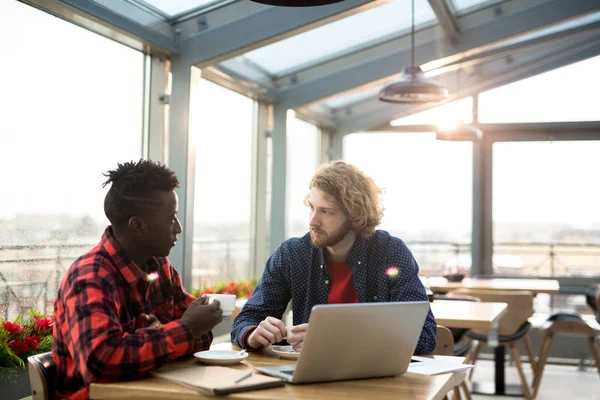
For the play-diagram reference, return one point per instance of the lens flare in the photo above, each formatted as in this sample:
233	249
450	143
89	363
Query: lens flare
392	271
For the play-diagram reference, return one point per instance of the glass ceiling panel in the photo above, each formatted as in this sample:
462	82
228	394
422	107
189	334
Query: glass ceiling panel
343	101
461	5
172	8
563	26
339	36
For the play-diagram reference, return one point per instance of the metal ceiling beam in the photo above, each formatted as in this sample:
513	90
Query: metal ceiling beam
139	12
319	119
446	19
471	62
518	131
262	26
480	30
94	16
239	75
370	104
375	115
501	51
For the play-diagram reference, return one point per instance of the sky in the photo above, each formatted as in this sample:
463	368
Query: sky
71	100
72	108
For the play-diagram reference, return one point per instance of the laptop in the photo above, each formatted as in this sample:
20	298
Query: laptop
356	341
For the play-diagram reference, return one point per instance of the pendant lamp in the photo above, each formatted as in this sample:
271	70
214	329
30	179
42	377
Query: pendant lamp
297	3
462	132
413	86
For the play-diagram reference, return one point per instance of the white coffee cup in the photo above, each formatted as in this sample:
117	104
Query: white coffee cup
227	302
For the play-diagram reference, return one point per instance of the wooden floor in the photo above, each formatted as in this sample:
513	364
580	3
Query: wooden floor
558	383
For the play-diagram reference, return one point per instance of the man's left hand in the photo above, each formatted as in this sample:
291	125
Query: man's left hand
295	336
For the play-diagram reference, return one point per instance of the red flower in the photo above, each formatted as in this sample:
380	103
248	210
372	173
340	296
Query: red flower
18	346
43	324
33	341
13	328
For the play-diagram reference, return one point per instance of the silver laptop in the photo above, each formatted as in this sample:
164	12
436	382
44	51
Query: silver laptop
355	341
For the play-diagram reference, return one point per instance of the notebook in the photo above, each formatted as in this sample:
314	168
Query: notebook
214	380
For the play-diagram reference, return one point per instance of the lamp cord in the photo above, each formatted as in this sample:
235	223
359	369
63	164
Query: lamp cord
412	51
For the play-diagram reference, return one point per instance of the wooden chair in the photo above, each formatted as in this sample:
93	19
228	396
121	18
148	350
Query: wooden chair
512	327
444	342
42	372
567	324
592	296
235	313
445	347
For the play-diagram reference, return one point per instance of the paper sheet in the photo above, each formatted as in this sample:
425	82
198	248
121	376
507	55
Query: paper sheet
430	366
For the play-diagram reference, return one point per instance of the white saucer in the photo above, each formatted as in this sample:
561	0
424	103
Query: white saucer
286	352
220	357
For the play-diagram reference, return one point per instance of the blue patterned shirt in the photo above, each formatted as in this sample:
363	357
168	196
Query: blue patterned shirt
297	271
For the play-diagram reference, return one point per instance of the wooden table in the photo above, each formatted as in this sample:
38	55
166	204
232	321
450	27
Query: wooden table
441	284
409	385
467	314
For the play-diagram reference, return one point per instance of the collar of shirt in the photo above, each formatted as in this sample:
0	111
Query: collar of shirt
132	273
357	253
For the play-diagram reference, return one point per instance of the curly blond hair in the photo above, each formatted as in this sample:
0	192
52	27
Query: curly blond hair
354	191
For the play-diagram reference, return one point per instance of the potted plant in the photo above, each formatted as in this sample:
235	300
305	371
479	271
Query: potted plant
242	289
19	339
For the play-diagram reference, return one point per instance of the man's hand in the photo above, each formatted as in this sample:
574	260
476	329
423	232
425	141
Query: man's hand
150	321
202	317
269	331
296	335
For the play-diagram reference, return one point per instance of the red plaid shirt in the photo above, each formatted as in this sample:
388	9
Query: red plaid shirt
99	335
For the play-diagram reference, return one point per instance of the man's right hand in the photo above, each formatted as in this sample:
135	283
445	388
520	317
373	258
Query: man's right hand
269	331
202	317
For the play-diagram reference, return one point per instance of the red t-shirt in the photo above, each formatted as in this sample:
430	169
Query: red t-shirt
342	287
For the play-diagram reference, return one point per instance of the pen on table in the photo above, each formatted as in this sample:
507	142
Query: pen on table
245	376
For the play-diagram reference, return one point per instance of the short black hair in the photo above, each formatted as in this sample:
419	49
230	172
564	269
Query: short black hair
132	183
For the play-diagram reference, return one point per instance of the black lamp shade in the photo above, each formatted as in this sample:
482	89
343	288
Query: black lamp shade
413	87
297	3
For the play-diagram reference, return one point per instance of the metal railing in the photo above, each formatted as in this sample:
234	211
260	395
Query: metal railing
30	274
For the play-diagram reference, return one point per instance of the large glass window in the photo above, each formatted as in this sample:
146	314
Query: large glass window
303	159
545	208
462	6
428	192
71	109
564	94
223	183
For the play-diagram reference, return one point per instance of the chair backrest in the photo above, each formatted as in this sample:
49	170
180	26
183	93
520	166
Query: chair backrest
42	372
520	306
592	295
444	345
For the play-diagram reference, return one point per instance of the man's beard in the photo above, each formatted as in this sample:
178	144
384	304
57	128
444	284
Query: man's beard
334	238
